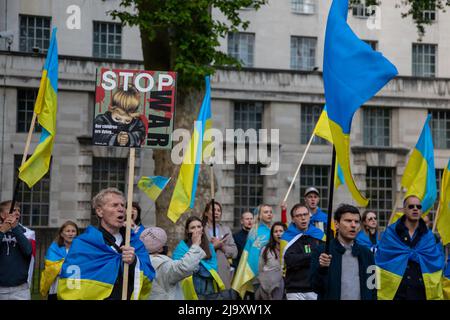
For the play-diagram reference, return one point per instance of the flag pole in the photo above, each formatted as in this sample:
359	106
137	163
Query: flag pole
330	201
436	217
213	206
299	166
128	219
24	158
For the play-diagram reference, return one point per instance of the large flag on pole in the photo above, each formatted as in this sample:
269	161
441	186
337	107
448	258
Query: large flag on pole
183	195
153	186
353	73
45	108
419	178
443	218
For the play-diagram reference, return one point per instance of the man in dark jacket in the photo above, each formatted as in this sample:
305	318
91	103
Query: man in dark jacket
343	273
240	237
298	243
15	255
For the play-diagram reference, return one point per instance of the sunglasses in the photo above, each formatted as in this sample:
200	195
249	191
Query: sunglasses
372	218
412	206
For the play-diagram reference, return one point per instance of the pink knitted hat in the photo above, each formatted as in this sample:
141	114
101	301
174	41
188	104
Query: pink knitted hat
154	239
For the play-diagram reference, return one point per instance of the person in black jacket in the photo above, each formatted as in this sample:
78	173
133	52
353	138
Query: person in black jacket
240	237
301	240
15	255
347	272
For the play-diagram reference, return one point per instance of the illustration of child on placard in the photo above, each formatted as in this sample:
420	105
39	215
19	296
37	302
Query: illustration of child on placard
121	125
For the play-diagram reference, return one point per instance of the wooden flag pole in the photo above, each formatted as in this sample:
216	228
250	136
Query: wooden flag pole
24	158
330	201
128	219
213	205
436	217
299	166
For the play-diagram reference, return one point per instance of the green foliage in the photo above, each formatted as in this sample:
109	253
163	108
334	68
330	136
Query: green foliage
189	31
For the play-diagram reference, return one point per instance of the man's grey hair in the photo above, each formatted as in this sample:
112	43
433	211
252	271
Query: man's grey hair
99	199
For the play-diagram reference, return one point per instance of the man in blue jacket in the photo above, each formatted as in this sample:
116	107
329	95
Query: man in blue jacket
343	273
15	255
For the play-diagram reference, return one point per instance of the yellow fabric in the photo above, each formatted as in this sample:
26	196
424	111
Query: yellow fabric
446	288
433	285
87	290
415	175
388	284
443	217
243	276
187	286
49	274
145	287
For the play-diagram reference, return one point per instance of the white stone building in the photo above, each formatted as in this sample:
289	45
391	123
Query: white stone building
280	87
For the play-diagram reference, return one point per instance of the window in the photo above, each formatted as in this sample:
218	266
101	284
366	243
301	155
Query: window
303	6
241	46
440	128
380	182
248	189
303	53
310	114
107	40
372	43
424	60
429	12
318	177
34	33
34	202
108	172
377	126
361	10
248	115
25	108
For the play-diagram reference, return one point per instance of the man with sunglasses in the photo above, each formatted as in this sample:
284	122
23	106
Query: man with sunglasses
409	259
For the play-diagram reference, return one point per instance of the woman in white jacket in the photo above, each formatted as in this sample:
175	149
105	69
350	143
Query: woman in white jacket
169	273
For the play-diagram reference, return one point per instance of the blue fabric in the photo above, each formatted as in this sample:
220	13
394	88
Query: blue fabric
182	248
292	231
319	216
363	239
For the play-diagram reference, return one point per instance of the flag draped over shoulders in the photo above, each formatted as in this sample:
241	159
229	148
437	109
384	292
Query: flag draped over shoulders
54	259
210	264
353	73
91	268
392	259
183	196
45	108
247	269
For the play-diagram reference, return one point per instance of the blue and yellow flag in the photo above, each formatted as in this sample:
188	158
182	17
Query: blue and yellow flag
353	73
54	259
183	195
291	235
443	217
247	269
322	130
392	258
419	177
363	239
91	268
153	186
187	284
45	108
446	281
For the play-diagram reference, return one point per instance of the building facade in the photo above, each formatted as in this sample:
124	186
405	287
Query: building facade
280	87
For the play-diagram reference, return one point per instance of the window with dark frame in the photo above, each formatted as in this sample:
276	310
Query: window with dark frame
424	58
303	53
316	176
377	126
303	6
26	99
309	116
34	33
241	46
440	128
107	40
34	202
380	189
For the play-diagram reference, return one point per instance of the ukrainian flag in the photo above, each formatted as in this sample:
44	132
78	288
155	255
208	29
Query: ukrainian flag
322	130
183	195
187	284
392	258
443	218
446	281
54	260
91	268
419	177
353	73
292	234
248	264
45	108
153	186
